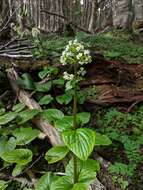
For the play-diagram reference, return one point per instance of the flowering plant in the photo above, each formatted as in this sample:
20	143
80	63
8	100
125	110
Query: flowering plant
77	139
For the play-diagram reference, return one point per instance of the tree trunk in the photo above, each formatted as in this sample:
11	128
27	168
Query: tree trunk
122	14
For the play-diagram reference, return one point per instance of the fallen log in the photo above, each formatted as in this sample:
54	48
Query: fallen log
44	126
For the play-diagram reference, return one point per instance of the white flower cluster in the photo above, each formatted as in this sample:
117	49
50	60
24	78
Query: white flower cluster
68	76
81	71
75	53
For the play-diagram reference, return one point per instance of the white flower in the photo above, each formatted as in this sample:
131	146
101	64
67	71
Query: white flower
78	48
86	52
69	85
81	71
70	42
81	63
68	76
75	41
79	55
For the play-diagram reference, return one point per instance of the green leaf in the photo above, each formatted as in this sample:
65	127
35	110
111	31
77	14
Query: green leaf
86	170
83	117
56	154
64	99
3	185
102	140
43	74
44	182
63	183
25	135
64	124
80	141
26	82
43	87
52	114
59	82
2	111
26	115
48	70
7	145
18	107
80	186
19	156
17	170
4	119
81	97
45	100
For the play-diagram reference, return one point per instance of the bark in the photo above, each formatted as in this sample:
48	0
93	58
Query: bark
122	14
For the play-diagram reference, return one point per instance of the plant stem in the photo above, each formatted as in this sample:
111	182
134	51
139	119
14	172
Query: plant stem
74	121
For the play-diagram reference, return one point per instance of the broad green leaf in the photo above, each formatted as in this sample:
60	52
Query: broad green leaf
43	87
7	145
18	156
52	114
83	117
86	170
63	183
48	70
59	82
26	82
17	170
45	100
25	135
4	119
64	124
26	115
56	154
64	99
27	188
102	140
2	111
43	74
80	186
44	182
80	141
3	185
18	107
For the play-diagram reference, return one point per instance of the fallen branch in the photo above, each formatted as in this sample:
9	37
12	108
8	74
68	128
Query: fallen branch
7	44
16	56
16	49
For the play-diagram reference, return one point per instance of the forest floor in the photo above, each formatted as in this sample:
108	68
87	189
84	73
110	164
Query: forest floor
114	96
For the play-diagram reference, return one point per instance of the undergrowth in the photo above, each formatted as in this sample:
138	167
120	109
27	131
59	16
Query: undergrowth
113	45
125	130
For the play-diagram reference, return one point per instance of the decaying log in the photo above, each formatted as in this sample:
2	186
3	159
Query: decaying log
115	82
46	128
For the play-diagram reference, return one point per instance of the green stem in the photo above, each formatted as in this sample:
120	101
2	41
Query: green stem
74	121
